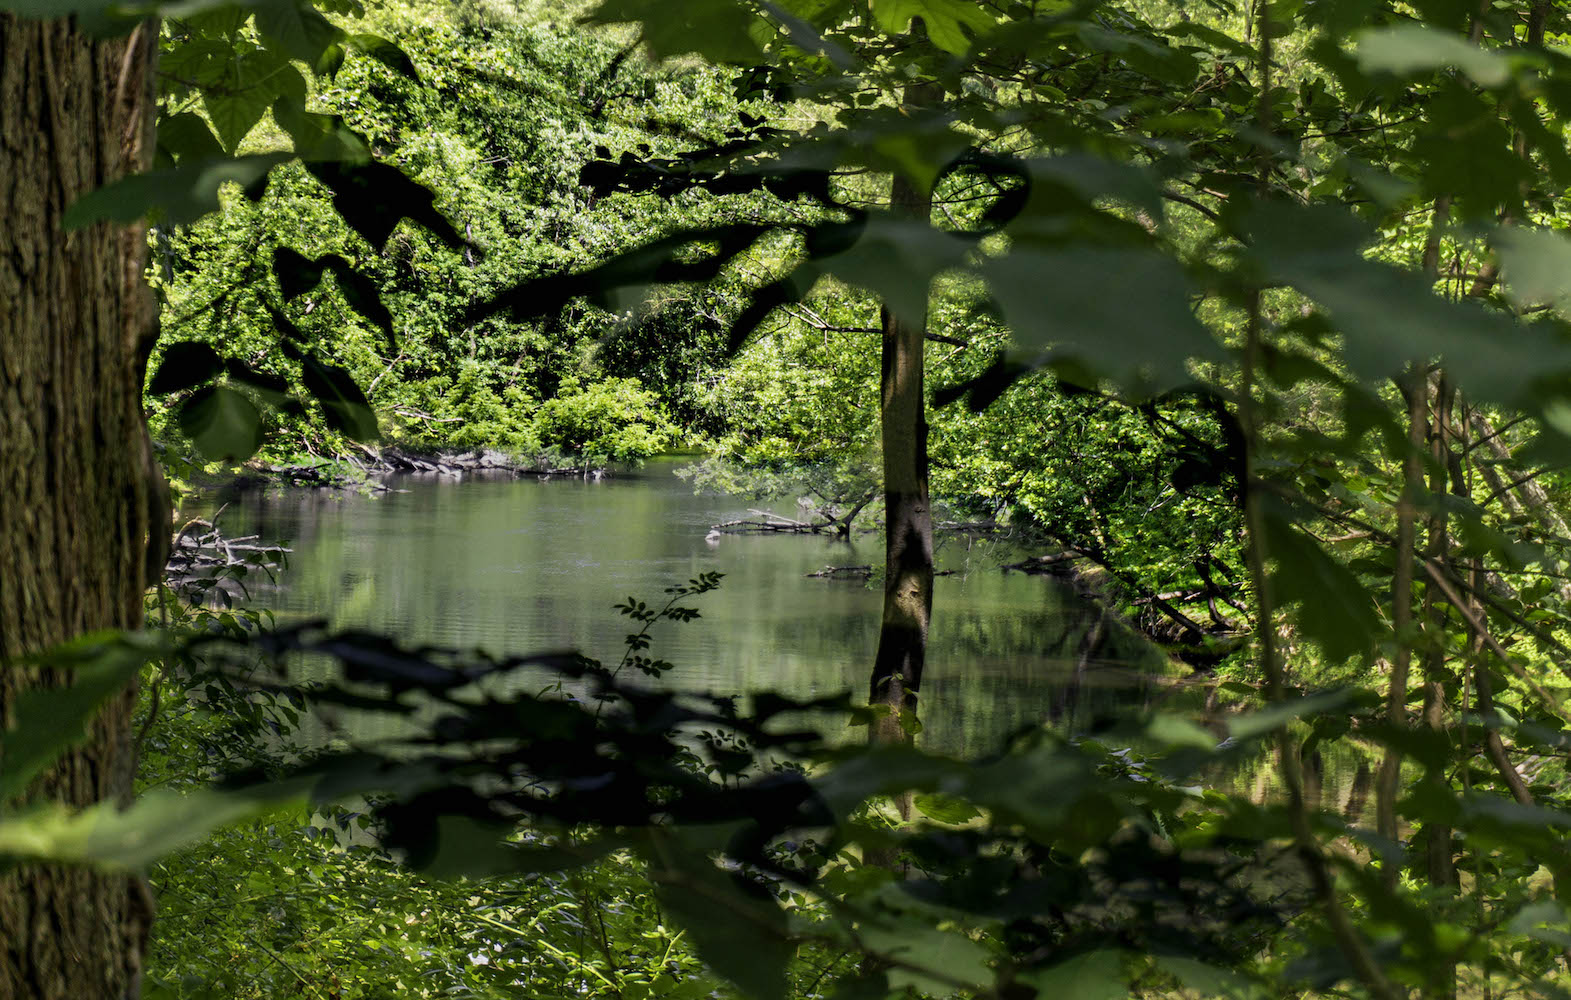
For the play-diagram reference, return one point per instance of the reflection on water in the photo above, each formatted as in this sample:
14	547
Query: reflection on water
522	566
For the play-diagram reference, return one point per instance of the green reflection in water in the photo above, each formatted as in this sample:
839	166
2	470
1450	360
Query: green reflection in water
523	566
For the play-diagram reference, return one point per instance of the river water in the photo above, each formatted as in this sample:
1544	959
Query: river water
523	565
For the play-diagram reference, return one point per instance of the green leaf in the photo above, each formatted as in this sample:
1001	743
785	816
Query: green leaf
1052	792
1206	980
669	259
735	926
1528	919
363	297
894	258
199	62
47	721
175	196
1274	717
1536	264
386	53
297	28
343	404
1077	305
1076	182
235	114
927	959
1407	49
158	823
951	24
945	808
101	18
316	136
187	136
273	389
1389	317
881	771
1333	608
1177	731
1503	812
329	62
1211	37
298	274
374	197
222	423
186	364
1171	66
1095	975
718	30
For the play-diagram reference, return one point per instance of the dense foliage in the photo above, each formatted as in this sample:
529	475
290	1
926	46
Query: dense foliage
495	116
1258	311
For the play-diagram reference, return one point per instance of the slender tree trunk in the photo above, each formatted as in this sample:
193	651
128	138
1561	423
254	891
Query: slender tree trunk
908	521
75	511
1415	387
1438	849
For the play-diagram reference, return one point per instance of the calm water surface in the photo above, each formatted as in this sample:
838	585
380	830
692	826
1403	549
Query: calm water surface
522	565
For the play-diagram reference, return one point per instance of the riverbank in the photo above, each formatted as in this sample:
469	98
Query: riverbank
362	472
1158	617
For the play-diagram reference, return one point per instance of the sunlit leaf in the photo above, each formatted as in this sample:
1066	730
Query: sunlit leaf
951	24
945	808
175	196
1408	48
160	822
385	52
235	115
928	959
46	721
1095	975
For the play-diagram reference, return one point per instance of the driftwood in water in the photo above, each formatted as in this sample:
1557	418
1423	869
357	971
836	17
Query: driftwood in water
207	567
843	573
981	529
768	521
858	573
1055	563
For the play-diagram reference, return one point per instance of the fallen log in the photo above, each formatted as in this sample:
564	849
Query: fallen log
769	521
843	572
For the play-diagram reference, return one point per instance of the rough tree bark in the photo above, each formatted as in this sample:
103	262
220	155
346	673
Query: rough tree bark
908	520
75	511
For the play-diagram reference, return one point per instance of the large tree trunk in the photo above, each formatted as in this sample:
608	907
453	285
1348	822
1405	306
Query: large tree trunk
908	522
75	518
